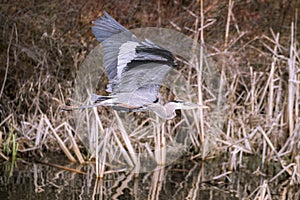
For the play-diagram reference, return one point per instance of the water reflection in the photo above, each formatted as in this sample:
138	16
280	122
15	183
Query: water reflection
182	180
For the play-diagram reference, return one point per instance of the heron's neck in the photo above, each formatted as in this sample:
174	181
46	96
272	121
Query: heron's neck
164	111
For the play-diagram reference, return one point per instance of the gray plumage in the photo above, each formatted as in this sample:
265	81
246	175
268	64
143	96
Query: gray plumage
135	69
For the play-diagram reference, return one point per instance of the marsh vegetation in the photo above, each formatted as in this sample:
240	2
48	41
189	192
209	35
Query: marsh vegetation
254	46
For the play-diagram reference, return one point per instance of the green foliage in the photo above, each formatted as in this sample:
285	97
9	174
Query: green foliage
10	146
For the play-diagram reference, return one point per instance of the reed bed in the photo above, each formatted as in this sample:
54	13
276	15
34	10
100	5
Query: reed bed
43	46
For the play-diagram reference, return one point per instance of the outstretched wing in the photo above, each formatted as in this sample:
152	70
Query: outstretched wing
112	36
143	75
135	69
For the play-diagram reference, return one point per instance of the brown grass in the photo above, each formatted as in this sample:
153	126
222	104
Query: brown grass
255	46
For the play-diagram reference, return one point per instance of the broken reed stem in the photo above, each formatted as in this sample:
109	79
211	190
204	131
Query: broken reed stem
160	142
59	140
229	13
156	183
200	71
102	161
74	144
126	139
263	192
291	83
62	167
252	90
270	78
271	81
123	150
157	141
3	156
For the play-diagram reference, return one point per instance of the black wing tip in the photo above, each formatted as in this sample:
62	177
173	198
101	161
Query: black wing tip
178	101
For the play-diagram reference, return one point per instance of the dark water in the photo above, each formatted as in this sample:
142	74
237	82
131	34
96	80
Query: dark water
182	180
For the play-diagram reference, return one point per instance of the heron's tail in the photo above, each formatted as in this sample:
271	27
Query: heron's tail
105	27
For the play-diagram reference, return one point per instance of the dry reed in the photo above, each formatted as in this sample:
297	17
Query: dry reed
259	68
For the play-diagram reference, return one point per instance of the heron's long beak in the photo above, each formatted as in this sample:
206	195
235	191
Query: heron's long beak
202	106
189	105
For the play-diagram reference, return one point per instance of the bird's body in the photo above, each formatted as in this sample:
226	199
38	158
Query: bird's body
135	69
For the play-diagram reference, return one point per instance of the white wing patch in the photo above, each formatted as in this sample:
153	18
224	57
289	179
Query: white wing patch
126	54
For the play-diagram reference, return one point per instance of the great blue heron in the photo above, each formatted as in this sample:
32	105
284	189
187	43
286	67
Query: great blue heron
135	69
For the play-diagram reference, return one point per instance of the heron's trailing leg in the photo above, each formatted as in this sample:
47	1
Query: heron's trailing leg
97	101
71	108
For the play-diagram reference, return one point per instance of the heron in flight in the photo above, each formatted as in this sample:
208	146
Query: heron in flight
135	69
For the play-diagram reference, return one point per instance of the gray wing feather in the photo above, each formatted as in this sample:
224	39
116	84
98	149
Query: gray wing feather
126	54
106	26
144	73
112	35
135	69
140	85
